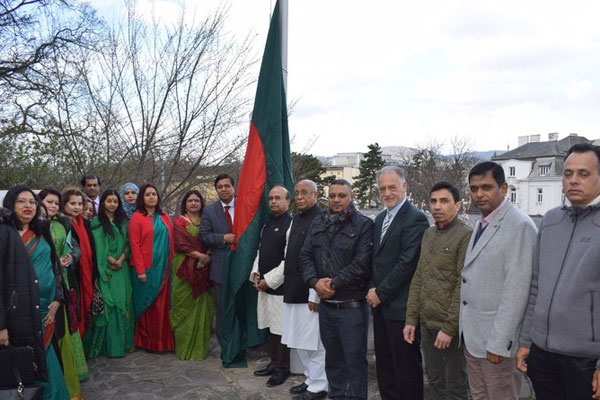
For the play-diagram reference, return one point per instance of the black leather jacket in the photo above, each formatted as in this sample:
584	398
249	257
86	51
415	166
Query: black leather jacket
339	246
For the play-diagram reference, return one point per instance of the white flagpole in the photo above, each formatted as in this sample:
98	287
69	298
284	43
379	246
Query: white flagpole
283	12
296	366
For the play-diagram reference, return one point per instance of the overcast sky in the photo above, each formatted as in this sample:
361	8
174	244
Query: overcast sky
409	73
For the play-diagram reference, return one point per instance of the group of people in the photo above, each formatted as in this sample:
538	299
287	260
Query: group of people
482	305
78	286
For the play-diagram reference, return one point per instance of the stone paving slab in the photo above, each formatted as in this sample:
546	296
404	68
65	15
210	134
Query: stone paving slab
151	376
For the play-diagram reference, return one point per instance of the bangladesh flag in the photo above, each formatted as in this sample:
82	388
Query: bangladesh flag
267	163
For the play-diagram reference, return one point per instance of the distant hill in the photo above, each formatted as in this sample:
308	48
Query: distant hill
485	155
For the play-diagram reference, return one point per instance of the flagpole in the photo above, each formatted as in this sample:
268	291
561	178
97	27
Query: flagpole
283	13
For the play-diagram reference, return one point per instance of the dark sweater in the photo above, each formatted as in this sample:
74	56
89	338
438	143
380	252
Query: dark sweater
295	290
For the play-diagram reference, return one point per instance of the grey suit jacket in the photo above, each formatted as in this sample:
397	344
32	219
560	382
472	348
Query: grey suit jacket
495	283
213	228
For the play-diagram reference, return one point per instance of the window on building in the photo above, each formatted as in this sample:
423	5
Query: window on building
512	171
513	195
544	170
540	195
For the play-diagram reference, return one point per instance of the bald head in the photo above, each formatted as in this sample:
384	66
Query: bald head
305	194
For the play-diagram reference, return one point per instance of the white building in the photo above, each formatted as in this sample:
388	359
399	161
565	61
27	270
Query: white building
534	171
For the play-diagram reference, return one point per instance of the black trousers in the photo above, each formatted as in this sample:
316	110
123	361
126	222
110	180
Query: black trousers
399	364
558	377
279	353
344	336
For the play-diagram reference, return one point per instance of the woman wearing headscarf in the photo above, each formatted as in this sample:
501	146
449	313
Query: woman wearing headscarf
39	246
129	193
193	306
69	341
112	329
151	243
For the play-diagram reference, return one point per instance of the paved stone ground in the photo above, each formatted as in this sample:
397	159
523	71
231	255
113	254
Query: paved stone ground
150	376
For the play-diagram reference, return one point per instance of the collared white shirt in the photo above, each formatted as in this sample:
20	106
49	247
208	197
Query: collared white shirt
231	208
396	208
95	202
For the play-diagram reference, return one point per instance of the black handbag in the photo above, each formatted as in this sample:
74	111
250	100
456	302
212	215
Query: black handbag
19	361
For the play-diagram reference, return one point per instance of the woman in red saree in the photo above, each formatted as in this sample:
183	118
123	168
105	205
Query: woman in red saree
193	306
72	206
151	244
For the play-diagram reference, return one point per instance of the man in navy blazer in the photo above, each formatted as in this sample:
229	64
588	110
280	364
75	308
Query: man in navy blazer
215	232
396	248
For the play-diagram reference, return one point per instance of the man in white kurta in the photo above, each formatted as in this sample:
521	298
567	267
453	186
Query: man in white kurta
267	276
300	308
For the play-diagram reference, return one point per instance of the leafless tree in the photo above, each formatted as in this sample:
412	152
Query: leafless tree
428	165
150	102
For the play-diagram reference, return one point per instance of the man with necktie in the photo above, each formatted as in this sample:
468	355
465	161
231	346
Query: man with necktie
399	229
495	286
215	232
91	187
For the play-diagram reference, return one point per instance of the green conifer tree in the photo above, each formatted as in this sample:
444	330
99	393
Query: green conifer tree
365	183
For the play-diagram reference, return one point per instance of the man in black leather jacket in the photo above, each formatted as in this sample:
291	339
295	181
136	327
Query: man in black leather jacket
336	262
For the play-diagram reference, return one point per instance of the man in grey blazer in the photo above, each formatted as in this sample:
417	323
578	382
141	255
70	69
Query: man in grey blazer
495	286
215	232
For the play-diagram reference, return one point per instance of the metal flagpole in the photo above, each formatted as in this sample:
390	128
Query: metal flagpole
283	13
296	366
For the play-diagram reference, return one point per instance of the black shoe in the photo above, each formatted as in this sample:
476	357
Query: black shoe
266	371
298	389
311	395
278	378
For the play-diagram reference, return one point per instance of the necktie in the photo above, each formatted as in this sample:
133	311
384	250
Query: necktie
228	218
386	224
478	234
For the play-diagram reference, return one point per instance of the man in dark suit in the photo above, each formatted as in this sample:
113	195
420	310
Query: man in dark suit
396	247
215	232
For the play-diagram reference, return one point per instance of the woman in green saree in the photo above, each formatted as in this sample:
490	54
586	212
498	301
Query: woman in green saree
193	307
71	349
36	236
113	329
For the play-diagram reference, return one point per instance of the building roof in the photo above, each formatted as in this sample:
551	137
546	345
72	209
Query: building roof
542	149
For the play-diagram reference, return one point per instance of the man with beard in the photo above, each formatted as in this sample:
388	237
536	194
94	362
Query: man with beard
336	262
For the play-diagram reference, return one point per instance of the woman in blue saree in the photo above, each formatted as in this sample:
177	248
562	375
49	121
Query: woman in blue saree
38	242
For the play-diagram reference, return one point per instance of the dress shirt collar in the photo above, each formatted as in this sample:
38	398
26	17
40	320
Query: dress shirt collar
396	208
231	203
484	222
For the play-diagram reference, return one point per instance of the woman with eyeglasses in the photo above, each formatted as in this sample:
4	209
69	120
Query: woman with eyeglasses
113	328
193	306
39	246
72	201
151	243
69	340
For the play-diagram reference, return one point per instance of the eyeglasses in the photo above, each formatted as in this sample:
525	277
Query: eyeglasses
23	203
